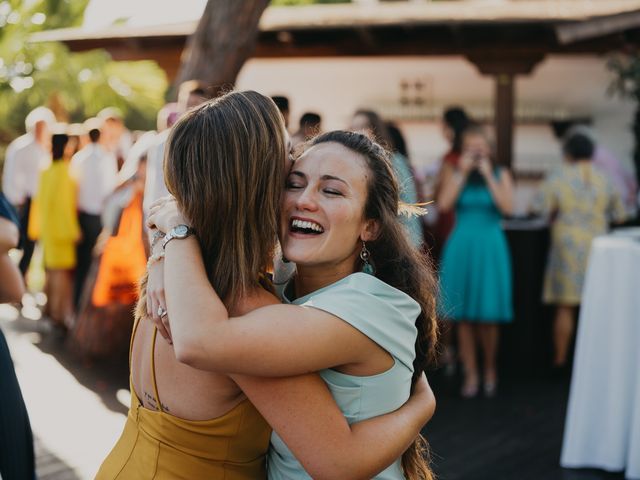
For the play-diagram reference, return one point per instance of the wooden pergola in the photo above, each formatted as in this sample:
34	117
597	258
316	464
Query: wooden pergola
503	38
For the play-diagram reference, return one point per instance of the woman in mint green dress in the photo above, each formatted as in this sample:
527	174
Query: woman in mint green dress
475	277
360	310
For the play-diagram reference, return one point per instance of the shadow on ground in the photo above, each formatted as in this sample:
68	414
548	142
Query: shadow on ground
515	436
49	466
103	376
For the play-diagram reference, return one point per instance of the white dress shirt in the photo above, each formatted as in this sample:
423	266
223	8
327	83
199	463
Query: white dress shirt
25	159
8	174
96	172
154	186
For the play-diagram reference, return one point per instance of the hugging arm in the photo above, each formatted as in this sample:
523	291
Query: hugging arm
302	411
276	340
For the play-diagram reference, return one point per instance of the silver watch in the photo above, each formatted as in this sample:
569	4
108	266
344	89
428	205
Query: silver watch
179	232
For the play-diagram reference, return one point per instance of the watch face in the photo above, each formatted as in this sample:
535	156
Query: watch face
181	230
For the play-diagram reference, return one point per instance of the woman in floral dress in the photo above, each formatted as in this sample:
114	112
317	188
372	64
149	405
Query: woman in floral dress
582	203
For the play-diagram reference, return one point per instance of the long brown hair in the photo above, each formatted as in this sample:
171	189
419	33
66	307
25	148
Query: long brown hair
225	165
398	263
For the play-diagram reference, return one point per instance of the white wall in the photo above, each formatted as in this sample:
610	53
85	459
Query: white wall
559	87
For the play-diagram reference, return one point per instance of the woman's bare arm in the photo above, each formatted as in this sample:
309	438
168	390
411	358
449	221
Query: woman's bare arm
277	340
453	181
305	415
12	285
501	190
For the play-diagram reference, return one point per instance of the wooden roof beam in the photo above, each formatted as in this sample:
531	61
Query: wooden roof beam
568	33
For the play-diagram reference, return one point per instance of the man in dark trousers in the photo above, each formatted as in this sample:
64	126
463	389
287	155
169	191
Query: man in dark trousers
96	172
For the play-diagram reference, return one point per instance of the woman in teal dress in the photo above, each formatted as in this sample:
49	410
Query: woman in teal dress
360	309
475	277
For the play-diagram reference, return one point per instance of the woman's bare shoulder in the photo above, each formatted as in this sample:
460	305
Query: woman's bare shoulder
254	299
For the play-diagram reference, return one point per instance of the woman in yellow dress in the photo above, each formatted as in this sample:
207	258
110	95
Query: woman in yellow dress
54	222
582	203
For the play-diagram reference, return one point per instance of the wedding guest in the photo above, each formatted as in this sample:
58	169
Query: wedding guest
282	103
581	202
116	137
370	121
16	455
95	171
25	161
208	427
475	275
54	222
310	126
190	94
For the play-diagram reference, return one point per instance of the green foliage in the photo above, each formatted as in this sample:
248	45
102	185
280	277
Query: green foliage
626	68
74	85
626	83
306	2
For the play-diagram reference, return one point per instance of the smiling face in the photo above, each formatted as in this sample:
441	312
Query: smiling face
323	208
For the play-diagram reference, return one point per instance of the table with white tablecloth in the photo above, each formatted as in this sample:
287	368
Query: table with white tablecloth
602	428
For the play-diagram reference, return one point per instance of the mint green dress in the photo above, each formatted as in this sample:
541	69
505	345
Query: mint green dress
385	315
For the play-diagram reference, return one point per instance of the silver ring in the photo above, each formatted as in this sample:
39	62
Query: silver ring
161	311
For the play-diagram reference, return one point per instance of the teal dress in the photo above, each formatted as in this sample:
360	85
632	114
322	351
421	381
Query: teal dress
385	315
475	277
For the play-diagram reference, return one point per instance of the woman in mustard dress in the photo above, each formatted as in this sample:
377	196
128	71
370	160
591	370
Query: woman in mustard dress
54	222
226	160
583	203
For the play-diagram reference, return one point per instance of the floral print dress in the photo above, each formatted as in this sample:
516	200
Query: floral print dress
583	202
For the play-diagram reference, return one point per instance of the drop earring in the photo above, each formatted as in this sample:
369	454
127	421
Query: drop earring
365	256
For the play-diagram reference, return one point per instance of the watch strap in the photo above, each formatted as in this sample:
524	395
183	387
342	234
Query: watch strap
173	234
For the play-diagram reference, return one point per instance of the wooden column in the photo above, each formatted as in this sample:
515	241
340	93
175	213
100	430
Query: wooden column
504	68
504	112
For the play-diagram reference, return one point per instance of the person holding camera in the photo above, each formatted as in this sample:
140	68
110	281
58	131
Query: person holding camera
475	274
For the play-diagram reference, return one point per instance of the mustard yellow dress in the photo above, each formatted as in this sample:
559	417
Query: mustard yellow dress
583	202
53	219
156	445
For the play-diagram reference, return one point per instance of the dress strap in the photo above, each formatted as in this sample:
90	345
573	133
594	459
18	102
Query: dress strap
136	321
153	369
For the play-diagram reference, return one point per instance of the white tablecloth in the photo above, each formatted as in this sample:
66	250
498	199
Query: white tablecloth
602	427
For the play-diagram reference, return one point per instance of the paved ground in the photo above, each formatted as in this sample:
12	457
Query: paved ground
515	436
78	408
73	405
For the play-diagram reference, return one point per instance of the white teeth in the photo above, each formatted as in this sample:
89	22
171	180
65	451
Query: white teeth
307	225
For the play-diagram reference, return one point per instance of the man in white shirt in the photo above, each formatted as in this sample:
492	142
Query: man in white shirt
96	172
115	136
192	93
25	159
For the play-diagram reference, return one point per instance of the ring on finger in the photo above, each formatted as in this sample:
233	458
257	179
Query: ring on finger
161	312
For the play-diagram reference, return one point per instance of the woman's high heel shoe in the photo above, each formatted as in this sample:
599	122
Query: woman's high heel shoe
490	389
469	389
